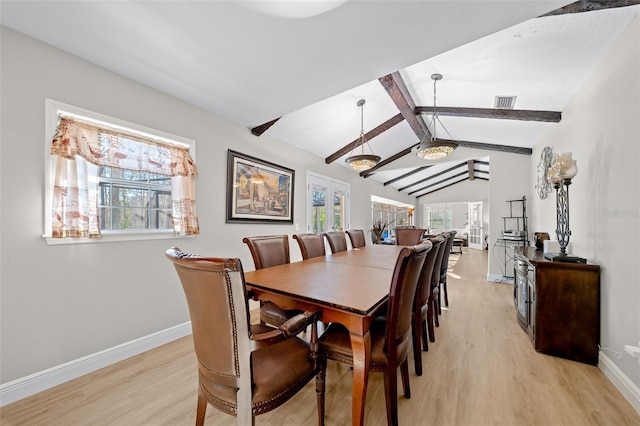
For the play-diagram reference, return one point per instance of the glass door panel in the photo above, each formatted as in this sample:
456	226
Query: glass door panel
327	205
475	239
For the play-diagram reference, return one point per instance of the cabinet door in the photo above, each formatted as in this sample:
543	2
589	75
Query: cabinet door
568	313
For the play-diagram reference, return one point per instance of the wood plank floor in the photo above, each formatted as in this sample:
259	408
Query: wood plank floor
482	370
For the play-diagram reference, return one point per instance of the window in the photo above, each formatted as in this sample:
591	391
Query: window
394	213
438	219
110	178
131	200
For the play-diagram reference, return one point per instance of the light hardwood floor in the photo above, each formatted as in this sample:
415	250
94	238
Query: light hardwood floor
482	370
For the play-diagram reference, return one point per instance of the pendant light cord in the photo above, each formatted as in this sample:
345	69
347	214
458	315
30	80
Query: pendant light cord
362	138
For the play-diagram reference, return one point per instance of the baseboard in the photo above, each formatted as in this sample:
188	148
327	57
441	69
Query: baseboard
627	388
37	382
499	279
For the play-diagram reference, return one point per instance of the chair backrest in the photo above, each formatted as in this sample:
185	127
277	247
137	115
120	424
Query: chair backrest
216	295
445	257
311	245
437	267
409	236
357	238
424	285
268	250
337	241
404	283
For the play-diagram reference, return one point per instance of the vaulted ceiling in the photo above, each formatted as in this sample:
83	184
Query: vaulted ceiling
294	70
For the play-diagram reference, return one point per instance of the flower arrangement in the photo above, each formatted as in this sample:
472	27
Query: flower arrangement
378	227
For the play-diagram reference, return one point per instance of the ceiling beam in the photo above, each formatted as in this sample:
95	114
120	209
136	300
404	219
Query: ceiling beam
589	5
471	170
494	147
406	175
259	130
439	189
398	118
463	173
369	172
433	176
398	92
503	114
465	144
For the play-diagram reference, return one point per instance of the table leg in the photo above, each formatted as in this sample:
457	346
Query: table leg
361	349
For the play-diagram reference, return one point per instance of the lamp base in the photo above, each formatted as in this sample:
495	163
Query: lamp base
559	257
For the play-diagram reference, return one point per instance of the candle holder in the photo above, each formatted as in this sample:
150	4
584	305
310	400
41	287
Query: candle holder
563	170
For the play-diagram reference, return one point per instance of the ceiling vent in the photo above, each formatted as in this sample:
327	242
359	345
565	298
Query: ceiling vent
505	102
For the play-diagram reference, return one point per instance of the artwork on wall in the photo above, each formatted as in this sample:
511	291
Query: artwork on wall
258	191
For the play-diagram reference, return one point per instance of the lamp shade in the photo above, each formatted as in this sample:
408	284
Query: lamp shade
435	149
362	162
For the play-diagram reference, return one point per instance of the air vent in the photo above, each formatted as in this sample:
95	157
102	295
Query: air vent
505	102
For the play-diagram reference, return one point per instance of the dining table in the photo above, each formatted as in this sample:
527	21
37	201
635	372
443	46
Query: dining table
347	287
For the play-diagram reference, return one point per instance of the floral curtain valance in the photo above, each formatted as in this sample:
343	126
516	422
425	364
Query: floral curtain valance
120	150
76	151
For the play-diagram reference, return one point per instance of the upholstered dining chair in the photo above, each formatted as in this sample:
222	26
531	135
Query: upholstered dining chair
443	270
311	245
266	251
419	327
434	296
390	334
244	370
337	241
409	236
356	237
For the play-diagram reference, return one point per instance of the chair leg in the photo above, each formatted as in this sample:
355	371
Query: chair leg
201	409
391	396
417	332
446	296
404	373
425	338
320	389
430	321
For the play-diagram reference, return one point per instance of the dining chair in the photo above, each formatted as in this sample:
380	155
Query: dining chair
390	334
244	370
434	297
266	251
311	245
337	241
409	236
357	238
421	305
443	269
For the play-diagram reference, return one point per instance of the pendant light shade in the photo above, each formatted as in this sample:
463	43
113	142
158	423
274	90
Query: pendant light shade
362	161
435	149
432	148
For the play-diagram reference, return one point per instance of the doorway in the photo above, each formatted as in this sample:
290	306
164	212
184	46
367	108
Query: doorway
327	204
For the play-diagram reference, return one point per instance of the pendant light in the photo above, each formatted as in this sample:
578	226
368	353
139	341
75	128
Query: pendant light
362	161
434	148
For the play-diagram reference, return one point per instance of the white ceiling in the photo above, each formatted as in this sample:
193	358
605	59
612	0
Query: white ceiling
252	62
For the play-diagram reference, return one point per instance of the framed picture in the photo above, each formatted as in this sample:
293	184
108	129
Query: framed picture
258	191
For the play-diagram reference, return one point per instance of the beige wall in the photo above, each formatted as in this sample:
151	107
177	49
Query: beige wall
60	303
601	126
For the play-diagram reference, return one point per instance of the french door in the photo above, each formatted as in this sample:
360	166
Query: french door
475	238
327	204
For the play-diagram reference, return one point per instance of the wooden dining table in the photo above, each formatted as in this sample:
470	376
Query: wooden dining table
348	287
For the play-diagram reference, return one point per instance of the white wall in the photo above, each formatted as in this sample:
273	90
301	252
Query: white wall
60	303
601	127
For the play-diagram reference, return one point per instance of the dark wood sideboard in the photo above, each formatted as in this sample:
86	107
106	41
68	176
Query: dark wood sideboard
558	304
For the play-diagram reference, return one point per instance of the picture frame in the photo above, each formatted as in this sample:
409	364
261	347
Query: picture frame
258	191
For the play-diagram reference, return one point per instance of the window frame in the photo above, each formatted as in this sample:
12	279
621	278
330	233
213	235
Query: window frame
52	110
